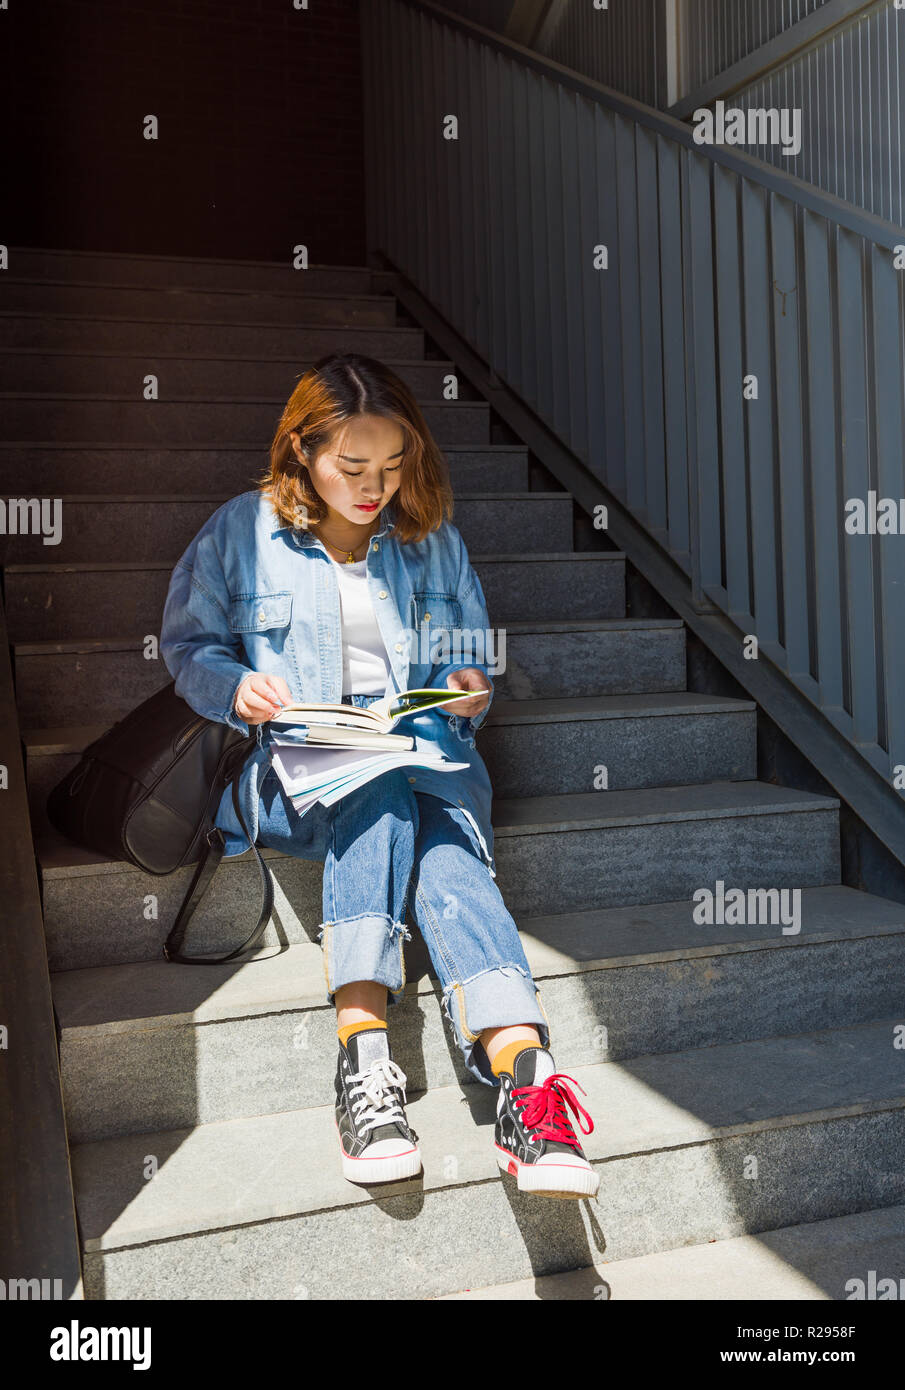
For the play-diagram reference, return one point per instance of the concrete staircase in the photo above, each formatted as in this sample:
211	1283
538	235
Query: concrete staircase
742	1081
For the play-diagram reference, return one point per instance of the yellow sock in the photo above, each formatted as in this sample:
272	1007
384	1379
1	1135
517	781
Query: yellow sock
505	1058
350	1028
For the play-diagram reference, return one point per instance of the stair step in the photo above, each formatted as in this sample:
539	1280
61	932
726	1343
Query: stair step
815	1261
539	747
107	268
244	420
151	1045
60	467
258	1208
101	680
121	374
147	527
241	304
54	602
553	746
554	854
262	338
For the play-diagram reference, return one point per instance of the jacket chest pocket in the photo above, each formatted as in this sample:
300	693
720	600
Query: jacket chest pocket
262	614
435	617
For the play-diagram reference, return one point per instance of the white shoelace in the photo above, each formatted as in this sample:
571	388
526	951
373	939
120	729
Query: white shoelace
373	1103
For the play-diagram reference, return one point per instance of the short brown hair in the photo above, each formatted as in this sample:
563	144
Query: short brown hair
337	388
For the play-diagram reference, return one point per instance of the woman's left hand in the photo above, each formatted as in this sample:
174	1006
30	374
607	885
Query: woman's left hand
469	678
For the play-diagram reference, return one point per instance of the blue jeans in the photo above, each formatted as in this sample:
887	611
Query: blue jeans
386	850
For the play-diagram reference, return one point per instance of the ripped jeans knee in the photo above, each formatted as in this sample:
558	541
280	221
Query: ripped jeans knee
368	946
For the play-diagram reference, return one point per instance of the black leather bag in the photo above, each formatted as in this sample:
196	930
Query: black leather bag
147	791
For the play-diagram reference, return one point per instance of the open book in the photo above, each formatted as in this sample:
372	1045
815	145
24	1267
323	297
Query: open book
351	726
321	752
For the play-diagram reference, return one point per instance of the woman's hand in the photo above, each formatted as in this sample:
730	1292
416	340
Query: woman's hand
260	697
469	678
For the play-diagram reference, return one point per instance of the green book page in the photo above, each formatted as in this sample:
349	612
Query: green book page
415	701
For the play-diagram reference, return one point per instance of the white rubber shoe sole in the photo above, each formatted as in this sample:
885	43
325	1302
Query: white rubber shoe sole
393	1159
550	1179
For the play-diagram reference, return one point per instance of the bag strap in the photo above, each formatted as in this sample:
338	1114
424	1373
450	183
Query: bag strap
201	881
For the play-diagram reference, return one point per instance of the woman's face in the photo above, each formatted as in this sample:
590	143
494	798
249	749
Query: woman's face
357	473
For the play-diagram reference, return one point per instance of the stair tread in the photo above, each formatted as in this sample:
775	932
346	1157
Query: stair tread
814	1260
157	994
213	1176
255	291
63	444
171	321
73	738
545	625
270	359
575	707
539	814
141	566
78	254
121	398
650	805
120	498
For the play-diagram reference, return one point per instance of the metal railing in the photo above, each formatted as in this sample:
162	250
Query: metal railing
843	69
722	346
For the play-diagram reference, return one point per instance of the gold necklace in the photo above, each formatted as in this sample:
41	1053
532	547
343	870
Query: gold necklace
349	554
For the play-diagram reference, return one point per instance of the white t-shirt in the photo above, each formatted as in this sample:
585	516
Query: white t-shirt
366	670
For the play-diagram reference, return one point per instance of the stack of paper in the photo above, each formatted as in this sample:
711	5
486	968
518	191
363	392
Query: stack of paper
325	774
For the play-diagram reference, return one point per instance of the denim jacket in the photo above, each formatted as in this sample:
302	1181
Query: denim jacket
253	594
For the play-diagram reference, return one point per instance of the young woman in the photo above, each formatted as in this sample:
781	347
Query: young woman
336	581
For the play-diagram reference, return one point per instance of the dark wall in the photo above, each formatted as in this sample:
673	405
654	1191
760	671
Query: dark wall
259	107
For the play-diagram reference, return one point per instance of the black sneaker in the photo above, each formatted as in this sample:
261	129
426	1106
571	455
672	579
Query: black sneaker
376	1141
534	1138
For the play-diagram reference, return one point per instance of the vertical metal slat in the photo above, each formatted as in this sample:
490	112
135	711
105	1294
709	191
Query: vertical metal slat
786	294
736	521
610	280
630	311
654	462
704	483
859	588
670	274
887	411
826	514
759	416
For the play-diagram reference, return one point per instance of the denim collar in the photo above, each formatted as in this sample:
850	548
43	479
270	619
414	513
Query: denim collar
302	537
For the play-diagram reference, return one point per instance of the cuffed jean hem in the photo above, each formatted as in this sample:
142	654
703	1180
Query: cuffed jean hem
496	998
368	946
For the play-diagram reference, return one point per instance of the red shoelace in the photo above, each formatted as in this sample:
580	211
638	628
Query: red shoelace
543	1109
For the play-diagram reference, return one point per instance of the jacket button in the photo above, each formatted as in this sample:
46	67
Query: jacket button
461	802
262	616
382	594
426	618
398	647
376	545
411	779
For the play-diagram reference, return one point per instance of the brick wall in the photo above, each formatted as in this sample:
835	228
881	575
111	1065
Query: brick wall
260	143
